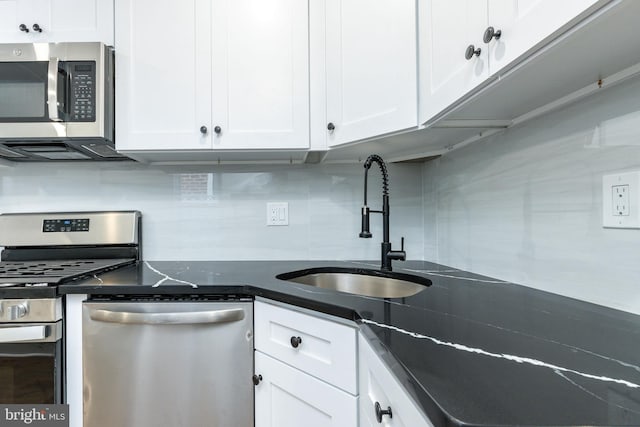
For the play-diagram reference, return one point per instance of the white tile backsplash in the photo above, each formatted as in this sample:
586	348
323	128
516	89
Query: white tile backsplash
219	213
526	205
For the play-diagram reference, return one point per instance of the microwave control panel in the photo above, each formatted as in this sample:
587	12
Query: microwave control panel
83	91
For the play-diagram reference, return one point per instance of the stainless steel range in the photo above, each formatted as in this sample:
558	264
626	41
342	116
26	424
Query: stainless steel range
41	251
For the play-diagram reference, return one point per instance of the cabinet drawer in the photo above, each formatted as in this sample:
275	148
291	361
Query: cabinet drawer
327	350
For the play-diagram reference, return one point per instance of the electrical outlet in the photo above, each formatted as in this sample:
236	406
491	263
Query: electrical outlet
620	200
277	213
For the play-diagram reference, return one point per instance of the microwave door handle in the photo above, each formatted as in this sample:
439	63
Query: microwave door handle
52	90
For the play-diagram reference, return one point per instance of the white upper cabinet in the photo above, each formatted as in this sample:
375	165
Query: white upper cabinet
260	74
371	71
43	21
448	28
212	75
163	75
525	23
458	52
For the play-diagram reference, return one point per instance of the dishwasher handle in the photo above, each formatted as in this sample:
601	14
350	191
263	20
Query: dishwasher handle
179	318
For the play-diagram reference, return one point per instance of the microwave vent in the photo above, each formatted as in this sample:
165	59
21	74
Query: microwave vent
102	150
5	152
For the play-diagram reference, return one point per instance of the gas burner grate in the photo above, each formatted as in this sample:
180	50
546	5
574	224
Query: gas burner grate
54	271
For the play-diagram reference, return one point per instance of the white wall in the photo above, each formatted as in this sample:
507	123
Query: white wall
213	213
526	204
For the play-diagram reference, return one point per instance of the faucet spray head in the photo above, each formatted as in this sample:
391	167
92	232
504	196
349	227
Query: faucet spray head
365	233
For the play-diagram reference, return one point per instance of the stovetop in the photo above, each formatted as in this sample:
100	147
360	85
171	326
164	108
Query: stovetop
53	272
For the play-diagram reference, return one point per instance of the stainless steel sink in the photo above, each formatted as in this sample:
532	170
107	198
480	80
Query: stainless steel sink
373	283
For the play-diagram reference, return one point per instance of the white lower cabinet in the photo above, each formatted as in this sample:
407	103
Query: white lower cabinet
307	369
287	397
317	372
378	386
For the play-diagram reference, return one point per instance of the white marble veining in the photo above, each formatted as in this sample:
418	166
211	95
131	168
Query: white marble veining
166	277
219	213
525	205
450	276
504	356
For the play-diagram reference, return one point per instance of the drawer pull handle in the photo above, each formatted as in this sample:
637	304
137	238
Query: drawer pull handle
296	341
380	412
257	379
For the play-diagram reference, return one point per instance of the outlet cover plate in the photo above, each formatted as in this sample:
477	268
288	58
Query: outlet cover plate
277	213
620	204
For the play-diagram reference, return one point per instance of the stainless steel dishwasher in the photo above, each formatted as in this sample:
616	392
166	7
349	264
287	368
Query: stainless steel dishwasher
168	364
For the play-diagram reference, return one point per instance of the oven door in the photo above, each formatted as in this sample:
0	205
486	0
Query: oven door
31	363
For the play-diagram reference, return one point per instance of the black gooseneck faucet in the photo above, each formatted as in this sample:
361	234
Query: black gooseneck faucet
388	254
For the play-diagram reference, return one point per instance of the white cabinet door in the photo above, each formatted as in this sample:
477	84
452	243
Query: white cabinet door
371	68
378	385
260	74
525	23
287	397
163	69
221	75
14	13
447	29
58	21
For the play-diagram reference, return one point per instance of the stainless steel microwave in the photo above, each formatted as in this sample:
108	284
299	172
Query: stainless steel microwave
57	102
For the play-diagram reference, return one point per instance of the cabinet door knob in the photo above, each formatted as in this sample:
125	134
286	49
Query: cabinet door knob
380	412
256	379
491	33
296	341
37	28
23	28
471	51
217	130
203	130
331	127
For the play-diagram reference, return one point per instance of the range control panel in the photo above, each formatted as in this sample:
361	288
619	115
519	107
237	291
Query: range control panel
83	91
64	225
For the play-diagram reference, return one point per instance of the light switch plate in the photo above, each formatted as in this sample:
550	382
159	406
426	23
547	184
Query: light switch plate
620	204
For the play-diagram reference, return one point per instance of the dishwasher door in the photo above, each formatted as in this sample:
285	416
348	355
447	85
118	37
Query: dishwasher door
167	364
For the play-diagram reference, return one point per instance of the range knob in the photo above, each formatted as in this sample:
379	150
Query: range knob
18	311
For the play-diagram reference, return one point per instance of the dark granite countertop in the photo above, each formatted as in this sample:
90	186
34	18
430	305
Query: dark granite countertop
470	349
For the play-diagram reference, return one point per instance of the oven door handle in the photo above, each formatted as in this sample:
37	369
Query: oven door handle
23	333
52	90
180	318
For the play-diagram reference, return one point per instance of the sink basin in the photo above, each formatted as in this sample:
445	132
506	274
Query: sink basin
372	283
